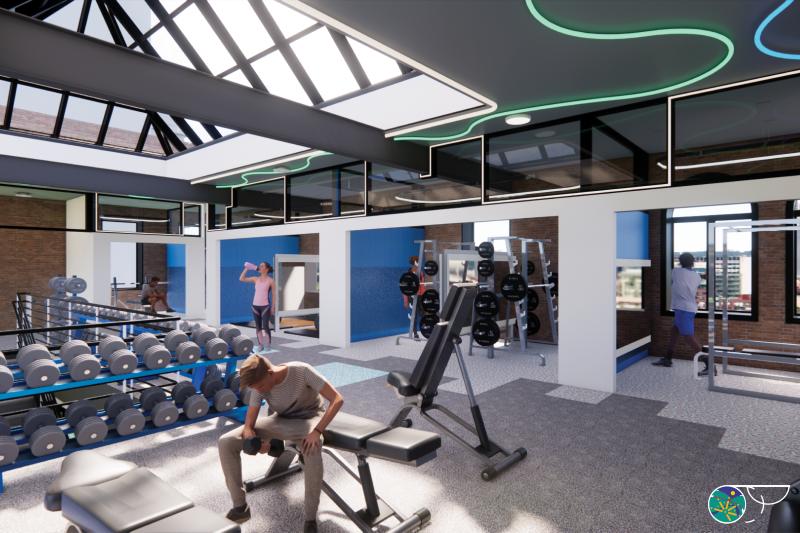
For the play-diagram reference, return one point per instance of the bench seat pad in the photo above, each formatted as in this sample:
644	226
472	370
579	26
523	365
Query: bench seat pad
194	520
403	444
350	432
84	467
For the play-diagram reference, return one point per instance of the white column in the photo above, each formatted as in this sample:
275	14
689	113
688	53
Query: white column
586	298
334	285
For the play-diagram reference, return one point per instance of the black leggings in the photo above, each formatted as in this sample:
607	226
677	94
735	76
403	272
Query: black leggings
261	314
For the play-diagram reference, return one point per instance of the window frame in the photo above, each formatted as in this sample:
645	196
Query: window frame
667	240
790	264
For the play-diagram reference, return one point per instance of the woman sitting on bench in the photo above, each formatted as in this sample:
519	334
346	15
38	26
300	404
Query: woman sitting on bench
294	393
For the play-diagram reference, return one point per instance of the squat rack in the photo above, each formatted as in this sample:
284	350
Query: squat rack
724	352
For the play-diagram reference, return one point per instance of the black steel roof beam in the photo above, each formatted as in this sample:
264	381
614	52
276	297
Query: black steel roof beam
129	77
160	135
62	108
286	50
143	134
112	25
12	94
350	58
176	33
230	44
101	135
167	131
84	16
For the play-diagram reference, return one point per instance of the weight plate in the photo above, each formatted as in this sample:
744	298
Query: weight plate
152	396
187	352
174	338
116	403
486	250
216	348
531	268
79	410
122	361
156	356
534	324
47	440
228	332
109	345
182	391
164	414
242	345
195	326
195	407
485	332
486	304
3	360
6	379
233	382
213	371
430	301
211	385
73	348
409	283
83	367
30	353
200	336
184	326
90	430
431	268
57	283
5	427
143	341
426	325
41	373
9	450
514	287
485	268
533	299
129	421
75	285
224	400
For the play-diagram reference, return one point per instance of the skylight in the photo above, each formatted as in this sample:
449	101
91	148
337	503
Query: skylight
204	40
324	64
277	76
289	21
378	67
242	23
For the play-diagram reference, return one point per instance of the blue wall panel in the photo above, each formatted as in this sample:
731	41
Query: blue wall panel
377	259
236	297
632	235
176	275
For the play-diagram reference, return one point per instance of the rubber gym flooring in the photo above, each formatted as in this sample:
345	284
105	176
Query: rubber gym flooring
596	462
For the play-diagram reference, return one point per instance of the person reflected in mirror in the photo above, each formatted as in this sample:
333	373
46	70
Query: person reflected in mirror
155	296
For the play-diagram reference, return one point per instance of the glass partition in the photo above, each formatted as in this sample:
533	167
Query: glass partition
192	216
259	204
147	275
216	217
332	192
142	215
29	207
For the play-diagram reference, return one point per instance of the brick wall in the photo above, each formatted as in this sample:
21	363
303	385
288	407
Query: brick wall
154	261
444	233
309	244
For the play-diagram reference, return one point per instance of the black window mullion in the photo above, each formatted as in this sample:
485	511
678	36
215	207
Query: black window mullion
112	25
101	135
350	58
130	27
12	94
143	134
84	17
167	132
62	108
230	44
176	33
288	54
187	130
42	10
213	131
162	139
404	69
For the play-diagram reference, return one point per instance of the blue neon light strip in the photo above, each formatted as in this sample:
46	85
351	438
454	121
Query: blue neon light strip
758	37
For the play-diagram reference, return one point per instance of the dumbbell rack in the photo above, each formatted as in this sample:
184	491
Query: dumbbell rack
431	282
64	383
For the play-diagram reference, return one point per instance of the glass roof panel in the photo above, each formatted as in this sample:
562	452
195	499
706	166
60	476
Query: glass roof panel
279	79
204	40
199	130
140	13
35	109
66	17
96	25
125	128
151	143
176	129
168	49
225	131
4	86
82	119
377	65
244	26
325	65
172	5
237	76
289	21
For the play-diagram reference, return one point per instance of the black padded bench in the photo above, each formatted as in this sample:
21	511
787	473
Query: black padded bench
99	494
365	438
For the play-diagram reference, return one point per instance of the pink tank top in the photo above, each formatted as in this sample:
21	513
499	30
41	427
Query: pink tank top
261	297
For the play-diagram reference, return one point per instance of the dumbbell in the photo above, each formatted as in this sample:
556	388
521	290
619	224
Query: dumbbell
156	356
39	369
9	450
214	389
162	411
203	334
228	332
233	381
187	352
242	345
216	348
174	338
252	446
127	419
194	405
6	376
143	341
89	428
78	357
44	436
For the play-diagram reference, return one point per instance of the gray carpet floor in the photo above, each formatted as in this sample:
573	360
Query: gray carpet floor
606	463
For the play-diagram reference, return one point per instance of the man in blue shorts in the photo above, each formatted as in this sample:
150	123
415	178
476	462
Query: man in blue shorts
685	282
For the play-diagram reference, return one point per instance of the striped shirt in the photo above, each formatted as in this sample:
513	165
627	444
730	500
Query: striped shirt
297	396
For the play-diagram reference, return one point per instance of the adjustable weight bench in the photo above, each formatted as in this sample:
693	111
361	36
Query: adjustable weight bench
98	494
365	438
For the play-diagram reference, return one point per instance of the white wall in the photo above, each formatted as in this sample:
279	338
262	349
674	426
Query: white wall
587	251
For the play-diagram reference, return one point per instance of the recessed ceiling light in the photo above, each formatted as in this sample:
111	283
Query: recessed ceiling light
542	134
23	195
518	120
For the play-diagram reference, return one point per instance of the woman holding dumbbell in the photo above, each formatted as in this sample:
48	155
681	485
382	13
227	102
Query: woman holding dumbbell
294	393
262	302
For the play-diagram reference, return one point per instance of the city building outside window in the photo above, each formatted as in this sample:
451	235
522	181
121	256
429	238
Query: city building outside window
629	288
686	230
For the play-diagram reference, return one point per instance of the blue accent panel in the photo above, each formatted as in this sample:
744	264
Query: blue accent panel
632	235
236	297
341	374
176	275
377	259
624	361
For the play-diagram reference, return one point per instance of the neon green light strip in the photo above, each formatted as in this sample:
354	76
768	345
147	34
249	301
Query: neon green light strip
598	99
246	176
